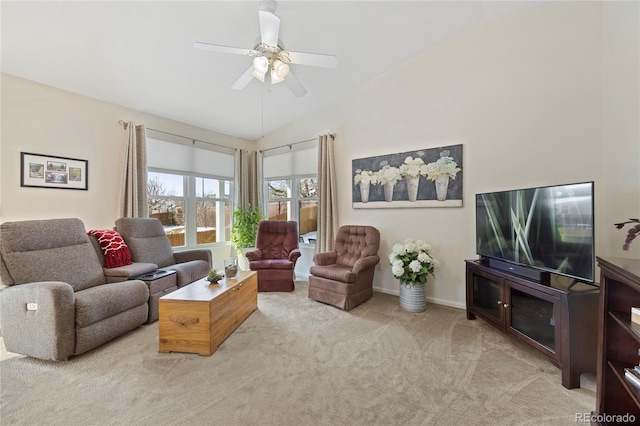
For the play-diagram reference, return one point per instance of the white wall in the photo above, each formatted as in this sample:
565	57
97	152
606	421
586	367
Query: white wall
44	120
544	97
524	95
620	123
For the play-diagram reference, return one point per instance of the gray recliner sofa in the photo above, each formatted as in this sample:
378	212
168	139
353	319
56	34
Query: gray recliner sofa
59	302
148	243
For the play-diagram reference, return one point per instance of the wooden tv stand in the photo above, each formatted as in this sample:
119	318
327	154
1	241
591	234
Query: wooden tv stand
558	318
617	399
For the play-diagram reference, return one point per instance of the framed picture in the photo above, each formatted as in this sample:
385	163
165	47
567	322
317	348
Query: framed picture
430	177
48	171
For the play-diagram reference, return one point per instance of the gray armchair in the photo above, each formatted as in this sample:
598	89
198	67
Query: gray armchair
148	243
344	277
58	302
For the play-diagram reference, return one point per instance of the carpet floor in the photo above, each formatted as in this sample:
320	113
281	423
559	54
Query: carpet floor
299	362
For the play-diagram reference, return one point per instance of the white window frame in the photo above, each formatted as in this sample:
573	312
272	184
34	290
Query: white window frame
190	206
294	200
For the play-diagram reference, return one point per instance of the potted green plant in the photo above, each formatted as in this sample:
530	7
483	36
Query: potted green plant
244	231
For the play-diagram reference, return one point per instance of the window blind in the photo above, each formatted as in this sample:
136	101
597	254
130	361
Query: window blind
188	159
292	163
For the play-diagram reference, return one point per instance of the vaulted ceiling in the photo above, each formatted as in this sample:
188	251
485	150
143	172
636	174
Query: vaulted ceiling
140	54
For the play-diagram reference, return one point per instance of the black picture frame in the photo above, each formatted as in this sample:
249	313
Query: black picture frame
51	171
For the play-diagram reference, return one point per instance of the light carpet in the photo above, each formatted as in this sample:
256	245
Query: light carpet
296	361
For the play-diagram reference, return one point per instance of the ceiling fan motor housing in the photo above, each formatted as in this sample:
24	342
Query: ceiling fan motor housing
268	6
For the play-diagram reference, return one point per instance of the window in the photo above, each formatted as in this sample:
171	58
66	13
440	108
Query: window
195	218
165	194
192	199
294	198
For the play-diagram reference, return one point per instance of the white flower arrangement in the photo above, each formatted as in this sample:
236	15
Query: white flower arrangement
413	167
445	166
411	262
388	174
365	176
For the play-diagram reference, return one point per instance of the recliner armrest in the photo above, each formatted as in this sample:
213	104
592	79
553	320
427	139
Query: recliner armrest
365	263
124	273
294	255
326	258
193	254
253	255
45	330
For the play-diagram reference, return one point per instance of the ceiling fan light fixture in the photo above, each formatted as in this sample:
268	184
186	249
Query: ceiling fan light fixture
261	64
275	78
258	75
281	68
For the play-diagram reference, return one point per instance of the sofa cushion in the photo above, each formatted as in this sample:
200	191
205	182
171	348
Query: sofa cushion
50	250
189	272
354	243
334	272
271	264
147	240
115	250
104	301
128	272
277	238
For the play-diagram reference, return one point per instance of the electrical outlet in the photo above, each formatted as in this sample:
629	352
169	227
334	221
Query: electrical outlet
379	266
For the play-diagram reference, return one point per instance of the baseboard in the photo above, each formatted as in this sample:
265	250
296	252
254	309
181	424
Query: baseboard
429	299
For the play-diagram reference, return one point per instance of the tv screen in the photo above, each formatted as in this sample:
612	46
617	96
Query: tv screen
549	228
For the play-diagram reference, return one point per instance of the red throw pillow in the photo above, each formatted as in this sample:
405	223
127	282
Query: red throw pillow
116	252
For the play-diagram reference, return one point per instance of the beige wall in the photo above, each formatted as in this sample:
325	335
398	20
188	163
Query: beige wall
544	97
620	124
524	95
44	120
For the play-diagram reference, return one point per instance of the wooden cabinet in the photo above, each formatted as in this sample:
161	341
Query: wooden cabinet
558	318
619	339
197	318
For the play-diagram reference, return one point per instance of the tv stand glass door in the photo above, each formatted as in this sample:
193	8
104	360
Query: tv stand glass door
557	318
532	318
519	310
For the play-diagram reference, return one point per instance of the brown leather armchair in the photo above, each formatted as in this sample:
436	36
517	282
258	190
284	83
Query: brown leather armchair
344	277
275	255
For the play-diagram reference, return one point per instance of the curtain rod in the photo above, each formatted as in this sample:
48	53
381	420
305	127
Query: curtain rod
333	136
193	140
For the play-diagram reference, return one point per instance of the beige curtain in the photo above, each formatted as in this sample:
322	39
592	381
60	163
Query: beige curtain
246	179
133	197
327	200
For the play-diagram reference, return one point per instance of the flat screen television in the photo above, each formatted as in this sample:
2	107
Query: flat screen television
546	228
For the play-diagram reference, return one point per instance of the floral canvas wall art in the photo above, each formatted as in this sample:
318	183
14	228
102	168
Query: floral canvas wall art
424	178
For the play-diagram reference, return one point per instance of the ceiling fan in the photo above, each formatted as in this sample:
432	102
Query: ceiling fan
270	60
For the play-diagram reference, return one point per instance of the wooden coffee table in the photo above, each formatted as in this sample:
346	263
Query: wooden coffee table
197	318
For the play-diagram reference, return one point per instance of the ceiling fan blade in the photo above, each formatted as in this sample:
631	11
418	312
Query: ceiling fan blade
294	85
269	28
224	49
313	59
243	80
